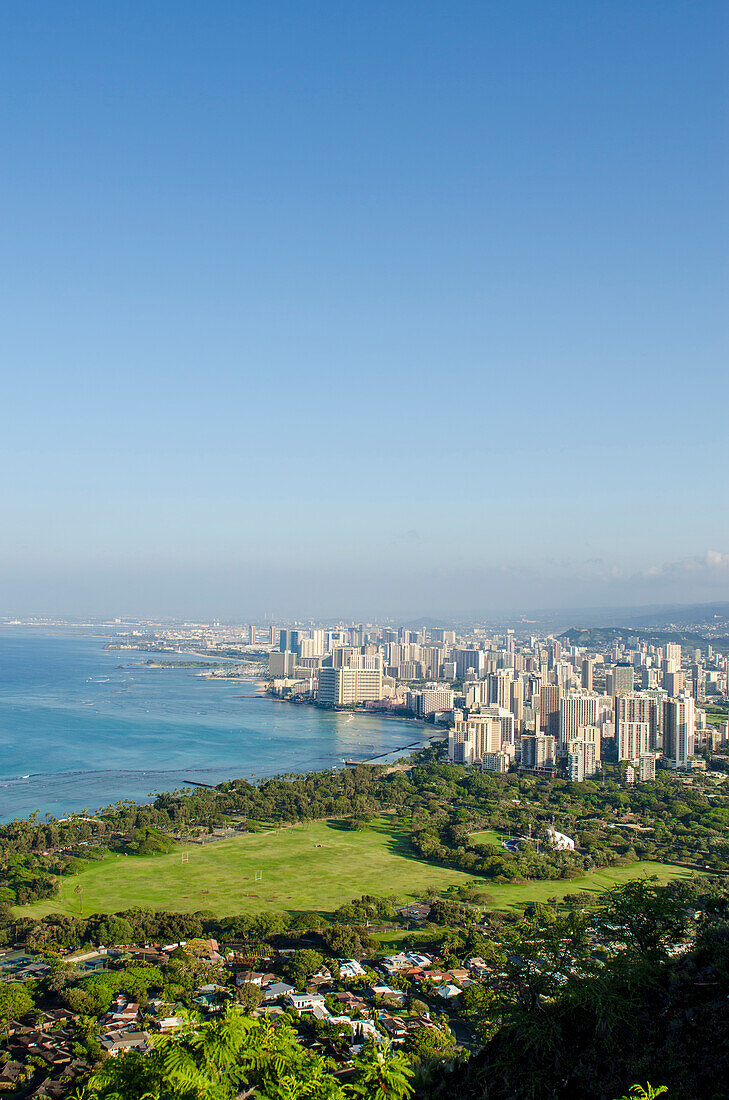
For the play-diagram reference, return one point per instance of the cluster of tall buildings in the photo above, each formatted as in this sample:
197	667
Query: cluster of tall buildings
533	701
360	665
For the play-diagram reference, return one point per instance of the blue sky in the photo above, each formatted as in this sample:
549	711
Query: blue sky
372	307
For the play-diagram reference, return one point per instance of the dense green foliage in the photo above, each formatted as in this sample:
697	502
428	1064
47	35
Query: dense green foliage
440	804
584	1003
573	1000
231	1055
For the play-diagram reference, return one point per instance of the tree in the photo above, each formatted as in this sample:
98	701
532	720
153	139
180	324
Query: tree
114	930
302	964
61	976
382	1076
15	1001
82	1002
248	996
644	917
231	1056
425	1041
446	911
347	942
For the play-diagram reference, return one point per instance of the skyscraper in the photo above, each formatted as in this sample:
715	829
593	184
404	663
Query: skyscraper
588	665
470	739
633	740
575	710
288	640
549	696
634	724
500	687
516	701
583	754
359	683
538	752
622	678
671	657
679	725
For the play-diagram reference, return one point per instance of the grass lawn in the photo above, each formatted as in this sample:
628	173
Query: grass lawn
318	867
392	942
314	868
513	896
486	836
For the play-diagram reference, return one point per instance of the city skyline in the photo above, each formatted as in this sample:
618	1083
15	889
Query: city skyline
369	310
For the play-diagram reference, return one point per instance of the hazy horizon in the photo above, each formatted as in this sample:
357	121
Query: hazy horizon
380	310
235	608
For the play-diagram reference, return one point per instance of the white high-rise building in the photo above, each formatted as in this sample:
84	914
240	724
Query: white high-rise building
647	767
583	754
500	687
430	701
360	682
679	730
672	657
575	710
634	716
620	678
471	738
633	740
477	693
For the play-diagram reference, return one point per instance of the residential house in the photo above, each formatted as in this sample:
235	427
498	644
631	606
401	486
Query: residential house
395	1028
275	990
415	913
250	977
389	994
305	1002
118	1042
448	992
350	968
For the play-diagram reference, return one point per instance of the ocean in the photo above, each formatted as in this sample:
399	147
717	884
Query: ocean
82	726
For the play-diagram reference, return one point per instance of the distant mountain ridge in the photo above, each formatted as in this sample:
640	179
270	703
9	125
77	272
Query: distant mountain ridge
601	637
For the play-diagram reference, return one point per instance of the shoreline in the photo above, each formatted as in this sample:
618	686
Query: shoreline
326	743
358	712
180	730
385	759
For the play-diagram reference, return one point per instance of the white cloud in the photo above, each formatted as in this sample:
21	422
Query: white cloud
709	564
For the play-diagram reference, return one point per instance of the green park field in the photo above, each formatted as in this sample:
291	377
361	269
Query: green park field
316	867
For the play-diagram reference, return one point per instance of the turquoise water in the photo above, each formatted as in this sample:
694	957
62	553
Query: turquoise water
78	731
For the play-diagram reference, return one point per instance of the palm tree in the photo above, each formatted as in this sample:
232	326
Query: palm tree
234	1057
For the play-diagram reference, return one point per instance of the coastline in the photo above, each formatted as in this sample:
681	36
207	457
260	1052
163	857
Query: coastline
83	726
385	759
381	715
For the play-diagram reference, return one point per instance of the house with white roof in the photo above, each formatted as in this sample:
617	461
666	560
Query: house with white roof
350	968
448	992
305	1002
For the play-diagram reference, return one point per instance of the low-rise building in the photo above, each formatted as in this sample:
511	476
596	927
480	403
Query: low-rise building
305	1002
448	992
350	968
